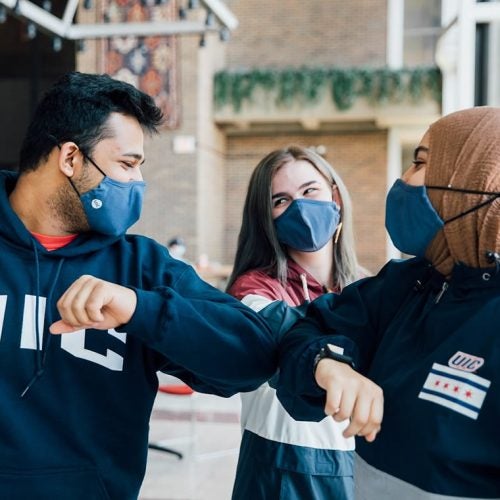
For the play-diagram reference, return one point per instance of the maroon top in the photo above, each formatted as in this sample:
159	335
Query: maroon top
300	285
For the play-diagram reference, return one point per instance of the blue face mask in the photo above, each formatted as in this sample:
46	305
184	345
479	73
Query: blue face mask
411	220
112	206
307	225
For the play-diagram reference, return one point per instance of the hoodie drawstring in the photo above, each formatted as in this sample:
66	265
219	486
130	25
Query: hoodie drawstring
39	357
305	288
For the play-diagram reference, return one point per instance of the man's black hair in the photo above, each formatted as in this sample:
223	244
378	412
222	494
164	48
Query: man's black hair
76	109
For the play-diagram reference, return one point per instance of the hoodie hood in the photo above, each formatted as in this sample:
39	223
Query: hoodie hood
15	232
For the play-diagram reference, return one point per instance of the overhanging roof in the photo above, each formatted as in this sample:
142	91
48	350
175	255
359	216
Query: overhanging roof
67	27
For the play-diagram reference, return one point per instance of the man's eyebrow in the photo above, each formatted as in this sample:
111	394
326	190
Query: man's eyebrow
418	149
279	195
136	156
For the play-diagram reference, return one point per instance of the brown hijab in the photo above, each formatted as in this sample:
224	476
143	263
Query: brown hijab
464	152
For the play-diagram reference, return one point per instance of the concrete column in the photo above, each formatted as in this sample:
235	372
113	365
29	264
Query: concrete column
395	32
394	170
466	54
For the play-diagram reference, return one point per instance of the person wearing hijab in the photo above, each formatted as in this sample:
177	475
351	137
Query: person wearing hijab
418	345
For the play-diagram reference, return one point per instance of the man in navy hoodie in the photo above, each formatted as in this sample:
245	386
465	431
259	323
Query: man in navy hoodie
75	407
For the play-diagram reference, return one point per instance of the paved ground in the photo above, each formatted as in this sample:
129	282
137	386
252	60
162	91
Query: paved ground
206	430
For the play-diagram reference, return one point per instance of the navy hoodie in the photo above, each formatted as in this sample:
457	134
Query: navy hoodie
75	408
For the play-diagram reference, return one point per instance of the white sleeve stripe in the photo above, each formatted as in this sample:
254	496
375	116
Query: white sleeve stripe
256	302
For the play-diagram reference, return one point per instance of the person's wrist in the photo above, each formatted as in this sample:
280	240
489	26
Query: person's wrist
323	371
329	351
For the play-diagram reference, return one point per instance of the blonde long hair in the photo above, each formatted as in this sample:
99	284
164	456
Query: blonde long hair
258	245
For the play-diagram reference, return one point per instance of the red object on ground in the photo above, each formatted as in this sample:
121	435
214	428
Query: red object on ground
177	389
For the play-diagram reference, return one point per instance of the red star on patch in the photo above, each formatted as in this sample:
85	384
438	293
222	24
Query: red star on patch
468	394
456	388
446	385
437	382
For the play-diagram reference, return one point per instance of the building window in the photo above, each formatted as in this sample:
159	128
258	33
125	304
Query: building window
407	154
487	74
422	27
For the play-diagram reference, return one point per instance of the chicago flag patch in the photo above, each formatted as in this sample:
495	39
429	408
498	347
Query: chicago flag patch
459	391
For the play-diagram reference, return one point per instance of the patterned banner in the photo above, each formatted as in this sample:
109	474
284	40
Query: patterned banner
148	63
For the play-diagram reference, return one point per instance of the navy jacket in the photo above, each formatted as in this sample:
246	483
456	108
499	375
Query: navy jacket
434	348
75	408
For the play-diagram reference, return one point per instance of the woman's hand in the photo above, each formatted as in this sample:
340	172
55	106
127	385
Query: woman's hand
350	395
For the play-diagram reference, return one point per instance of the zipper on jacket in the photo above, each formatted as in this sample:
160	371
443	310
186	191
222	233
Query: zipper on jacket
441	292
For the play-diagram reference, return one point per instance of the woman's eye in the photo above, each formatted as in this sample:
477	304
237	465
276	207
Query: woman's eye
310	190
417	163
278	202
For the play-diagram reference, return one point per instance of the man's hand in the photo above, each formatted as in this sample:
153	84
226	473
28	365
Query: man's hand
94	303
350	395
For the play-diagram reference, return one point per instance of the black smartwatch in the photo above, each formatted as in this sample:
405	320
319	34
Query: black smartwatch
330	351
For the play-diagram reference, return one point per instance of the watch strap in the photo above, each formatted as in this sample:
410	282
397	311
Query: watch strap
329	352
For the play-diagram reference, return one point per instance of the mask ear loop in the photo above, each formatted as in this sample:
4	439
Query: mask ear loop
493	196
51	137
88	158
473	209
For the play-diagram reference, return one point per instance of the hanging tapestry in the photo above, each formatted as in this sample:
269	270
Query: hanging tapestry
148	63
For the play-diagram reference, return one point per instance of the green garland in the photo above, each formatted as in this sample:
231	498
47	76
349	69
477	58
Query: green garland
378	85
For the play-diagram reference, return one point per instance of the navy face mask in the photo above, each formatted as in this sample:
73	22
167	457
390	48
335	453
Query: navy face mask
411	220
307	225
112	206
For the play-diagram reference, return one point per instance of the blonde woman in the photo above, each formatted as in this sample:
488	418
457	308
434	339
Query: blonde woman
295	244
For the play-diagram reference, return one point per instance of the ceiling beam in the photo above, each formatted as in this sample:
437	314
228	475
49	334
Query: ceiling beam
69	12
222	13
67	28
153	28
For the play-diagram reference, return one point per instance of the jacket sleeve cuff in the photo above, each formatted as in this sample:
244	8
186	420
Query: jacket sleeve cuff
148	317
